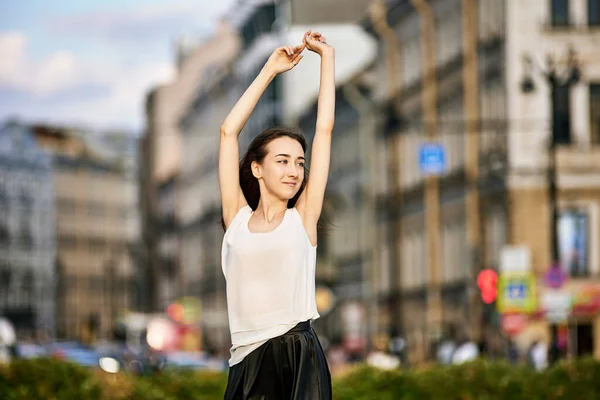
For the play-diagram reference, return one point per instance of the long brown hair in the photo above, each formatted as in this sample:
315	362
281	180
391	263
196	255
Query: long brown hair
257	150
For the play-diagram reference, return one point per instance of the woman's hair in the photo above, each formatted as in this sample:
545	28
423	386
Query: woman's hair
257	152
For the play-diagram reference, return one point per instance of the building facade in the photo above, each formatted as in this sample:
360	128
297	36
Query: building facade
167	161
199	206
470	75
552	81
97	229
27	233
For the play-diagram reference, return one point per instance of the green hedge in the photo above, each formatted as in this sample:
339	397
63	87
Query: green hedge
480	380
50	379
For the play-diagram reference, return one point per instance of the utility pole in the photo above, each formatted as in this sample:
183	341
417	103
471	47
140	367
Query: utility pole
471	111
432	194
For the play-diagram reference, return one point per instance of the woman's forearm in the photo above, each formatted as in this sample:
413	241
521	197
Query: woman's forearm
326	102
239	115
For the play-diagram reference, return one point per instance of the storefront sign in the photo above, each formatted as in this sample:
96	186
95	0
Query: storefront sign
586	300
557	305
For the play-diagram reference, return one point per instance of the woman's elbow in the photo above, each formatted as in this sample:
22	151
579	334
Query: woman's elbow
225	130
325	126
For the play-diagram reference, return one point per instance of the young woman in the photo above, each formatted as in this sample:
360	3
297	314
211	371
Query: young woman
270	213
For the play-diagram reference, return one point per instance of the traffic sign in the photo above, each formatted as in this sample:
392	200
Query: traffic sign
513	324
555	277
432	159
516	293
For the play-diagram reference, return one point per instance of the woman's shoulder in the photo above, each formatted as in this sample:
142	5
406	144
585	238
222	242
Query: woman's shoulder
242	213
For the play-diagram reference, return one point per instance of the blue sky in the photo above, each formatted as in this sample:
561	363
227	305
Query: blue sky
90	62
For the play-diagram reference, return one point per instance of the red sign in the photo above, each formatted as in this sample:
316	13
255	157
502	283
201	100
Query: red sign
513	324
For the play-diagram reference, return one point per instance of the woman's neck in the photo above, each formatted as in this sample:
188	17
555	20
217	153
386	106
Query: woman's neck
270	210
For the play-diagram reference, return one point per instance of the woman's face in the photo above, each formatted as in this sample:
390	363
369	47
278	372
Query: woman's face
282	170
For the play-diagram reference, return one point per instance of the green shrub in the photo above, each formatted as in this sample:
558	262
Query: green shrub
49	379
181	385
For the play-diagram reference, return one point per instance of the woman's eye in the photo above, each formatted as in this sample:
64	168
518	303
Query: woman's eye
301	165
282	161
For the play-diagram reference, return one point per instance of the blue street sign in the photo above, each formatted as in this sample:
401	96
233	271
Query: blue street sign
516	291
432	159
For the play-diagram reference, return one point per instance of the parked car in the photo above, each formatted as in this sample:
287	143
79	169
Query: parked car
74	352
30	350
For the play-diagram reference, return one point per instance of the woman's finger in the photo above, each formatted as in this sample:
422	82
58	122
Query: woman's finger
297	59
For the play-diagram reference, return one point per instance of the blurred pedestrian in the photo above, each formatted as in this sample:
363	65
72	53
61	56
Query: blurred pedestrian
270	213
466	350
537	355
512	352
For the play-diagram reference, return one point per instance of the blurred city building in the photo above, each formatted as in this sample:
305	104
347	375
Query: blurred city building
328	12
187	232
553	105
27	234
503	87
430	259
162	155
97	228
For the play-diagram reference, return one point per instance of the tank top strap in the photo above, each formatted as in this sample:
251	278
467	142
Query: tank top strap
242	215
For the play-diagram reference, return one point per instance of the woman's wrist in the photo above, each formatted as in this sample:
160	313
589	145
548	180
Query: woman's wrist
268	71
328	52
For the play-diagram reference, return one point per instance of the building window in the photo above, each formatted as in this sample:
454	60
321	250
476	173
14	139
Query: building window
594	12
573	232
560	12
595	112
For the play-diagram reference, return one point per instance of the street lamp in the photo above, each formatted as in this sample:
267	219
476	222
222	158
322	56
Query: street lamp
560	84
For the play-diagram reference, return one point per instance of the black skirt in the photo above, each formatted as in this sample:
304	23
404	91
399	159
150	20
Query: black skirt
289	367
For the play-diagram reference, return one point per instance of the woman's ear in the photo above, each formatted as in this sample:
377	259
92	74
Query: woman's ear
256	170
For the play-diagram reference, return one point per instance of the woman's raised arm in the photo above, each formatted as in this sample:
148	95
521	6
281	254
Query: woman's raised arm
310	202
232	199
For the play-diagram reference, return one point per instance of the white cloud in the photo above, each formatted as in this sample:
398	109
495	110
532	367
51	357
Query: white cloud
12	48
69	86
123	85
124	104
60	71
147	22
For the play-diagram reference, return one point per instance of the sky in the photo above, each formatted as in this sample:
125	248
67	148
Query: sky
89	63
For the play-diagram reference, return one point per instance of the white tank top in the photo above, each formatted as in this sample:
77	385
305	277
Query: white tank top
270	280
